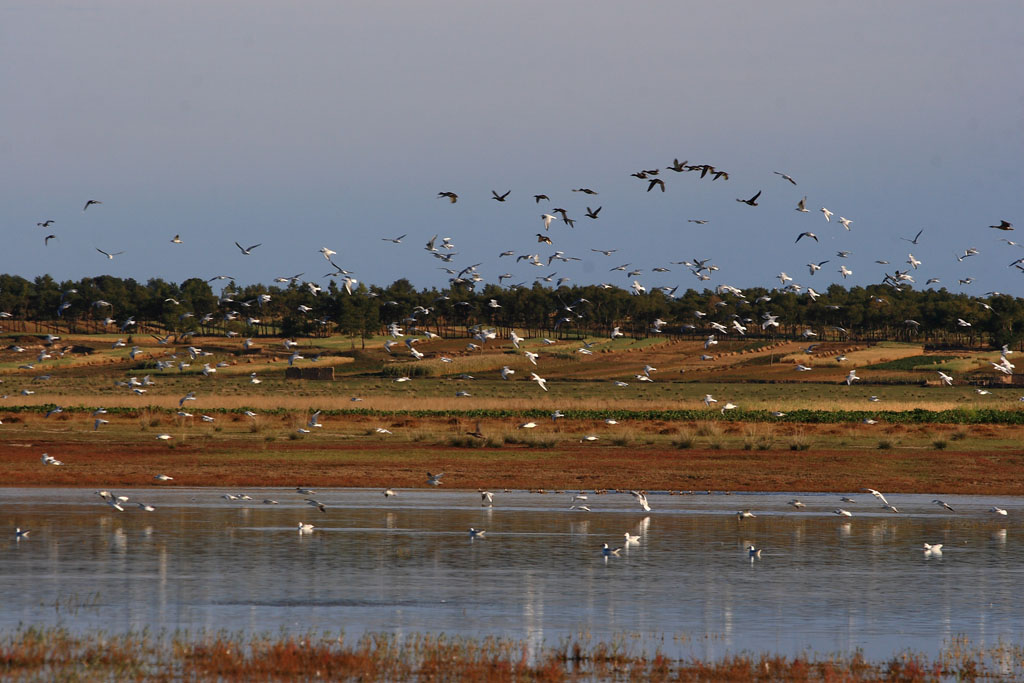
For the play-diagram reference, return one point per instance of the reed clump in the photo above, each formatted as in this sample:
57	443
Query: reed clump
34	653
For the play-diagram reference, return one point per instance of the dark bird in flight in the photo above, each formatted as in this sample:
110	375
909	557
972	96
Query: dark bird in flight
246	250
719	174
499	197
176	239
916	237
642	175
570	222
752	201
476	433
538	197
677	166
452	197
698	221
541	237
592	213
1003	225
45	224
785	176
656	181
584	190
46	240
561	211
90	203
806	234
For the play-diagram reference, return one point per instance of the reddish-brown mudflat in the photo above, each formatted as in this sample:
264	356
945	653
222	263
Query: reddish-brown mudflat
367	463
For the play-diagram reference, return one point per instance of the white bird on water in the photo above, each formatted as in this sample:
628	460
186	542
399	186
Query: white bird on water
932	550
641	497
631	539
305	528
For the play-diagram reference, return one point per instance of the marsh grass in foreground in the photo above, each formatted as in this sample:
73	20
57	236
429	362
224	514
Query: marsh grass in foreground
55	654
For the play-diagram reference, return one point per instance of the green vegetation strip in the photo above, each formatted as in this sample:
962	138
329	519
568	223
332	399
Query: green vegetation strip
910	363
916	416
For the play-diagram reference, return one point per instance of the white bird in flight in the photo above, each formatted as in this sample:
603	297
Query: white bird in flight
539	380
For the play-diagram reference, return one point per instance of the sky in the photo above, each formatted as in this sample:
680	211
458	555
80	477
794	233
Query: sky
335	124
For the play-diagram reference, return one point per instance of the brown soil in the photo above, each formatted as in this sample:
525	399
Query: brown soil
238	462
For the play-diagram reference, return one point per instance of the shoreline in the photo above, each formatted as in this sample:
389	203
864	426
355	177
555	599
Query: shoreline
31	652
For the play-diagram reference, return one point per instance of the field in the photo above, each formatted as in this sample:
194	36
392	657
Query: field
897	427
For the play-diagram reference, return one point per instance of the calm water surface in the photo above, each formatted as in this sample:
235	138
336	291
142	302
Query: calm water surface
405	565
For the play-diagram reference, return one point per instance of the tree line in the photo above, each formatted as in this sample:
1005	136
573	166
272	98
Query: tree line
293	308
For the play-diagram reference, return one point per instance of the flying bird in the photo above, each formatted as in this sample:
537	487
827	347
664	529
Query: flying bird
499	197
246	250
451	196
752	201
109	255
93	201
1003	225
916	237
784	176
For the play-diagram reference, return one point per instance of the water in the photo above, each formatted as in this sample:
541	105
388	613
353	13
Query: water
405	565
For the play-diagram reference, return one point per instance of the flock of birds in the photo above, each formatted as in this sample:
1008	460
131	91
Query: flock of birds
469	276
578	503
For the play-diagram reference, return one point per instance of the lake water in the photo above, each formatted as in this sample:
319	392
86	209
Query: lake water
405	565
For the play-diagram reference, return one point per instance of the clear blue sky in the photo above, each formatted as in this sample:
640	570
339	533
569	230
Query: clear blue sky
323	123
